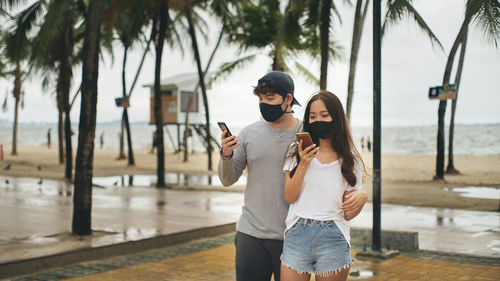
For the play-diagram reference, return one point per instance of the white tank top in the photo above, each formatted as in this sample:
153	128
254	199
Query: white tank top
321	194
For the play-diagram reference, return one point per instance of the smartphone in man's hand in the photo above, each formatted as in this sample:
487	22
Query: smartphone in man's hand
306	139
223	127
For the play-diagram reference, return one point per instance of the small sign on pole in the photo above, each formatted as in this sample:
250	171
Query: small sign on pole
443	92
122	102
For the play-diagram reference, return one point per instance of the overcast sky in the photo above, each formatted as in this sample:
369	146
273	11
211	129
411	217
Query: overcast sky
410	65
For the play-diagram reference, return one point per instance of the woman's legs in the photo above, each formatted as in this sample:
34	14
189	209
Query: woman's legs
339	276
288	274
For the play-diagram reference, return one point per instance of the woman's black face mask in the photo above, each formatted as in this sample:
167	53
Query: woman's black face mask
322	129
271	112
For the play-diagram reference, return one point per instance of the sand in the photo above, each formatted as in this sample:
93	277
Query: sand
406	179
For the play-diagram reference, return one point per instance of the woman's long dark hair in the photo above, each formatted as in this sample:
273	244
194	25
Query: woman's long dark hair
342	141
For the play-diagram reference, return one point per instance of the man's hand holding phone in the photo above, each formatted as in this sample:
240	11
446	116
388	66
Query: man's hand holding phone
228	142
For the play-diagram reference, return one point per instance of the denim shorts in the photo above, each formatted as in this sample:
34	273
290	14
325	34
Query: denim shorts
315	247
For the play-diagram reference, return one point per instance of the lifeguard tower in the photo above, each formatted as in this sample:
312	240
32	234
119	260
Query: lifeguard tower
176	93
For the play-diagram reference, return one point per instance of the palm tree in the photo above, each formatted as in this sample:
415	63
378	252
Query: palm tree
458	76
16	50
82	199
128	18
485	14
188	10
159	30
56	36
396	11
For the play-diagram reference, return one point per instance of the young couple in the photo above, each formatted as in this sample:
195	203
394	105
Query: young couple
297	201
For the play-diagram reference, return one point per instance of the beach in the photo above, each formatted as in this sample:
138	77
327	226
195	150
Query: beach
406	178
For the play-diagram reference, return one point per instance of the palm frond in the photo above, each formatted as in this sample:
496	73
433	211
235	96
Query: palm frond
227	68
397	10
486	17
336	12
201	25
308	75
289	29
9	4
337	51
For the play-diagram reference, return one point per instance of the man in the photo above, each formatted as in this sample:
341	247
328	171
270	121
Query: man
262	146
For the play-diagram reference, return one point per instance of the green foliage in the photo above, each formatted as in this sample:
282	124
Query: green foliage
397	10
485	16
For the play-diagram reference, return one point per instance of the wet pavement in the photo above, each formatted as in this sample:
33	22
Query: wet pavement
439	229
36	217
213	259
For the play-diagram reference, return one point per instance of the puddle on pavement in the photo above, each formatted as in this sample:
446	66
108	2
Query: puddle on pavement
477	192
65	189
178	179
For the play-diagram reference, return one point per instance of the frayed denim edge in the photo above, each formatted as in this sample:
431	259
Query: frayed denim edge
322	274
332	272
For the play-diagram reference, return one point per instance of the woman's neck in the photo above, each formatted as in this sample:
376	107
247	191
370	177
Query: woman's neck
326	145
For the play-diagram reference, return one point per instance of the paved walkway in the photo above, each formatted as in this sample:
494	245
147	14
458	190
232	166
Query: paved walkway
213	259
35	224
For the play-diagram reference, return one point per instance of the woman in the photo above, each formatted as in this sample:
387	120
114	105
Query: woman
317	239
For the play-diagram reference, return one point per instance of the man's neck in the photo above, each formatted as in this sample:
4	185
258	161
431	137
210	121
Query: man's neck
287	121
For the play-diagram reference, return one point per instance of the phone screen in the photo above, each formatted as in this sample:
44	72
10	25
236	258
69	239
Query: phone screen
224	127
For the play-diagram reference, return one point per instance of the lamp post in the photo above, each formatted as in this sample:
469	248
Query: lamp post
376	232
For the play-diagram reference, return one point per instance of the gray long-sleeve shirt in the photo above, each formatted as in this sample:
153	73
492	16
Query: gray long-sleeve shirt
262	148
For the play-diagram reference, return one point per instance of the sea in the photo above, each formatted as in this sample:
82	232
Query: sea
479	139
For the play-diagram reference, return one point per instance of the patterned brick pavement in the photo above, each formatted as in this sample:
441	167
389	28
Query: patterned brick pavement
213	259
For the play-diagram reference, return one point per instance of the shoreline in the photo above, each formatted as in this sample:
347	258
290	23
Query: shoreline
406	179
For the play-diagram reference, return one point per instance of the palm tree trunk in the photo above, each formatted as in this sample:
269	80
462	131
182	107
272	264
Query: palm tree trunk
458	76
277	63
359	21
131	161
65	76
14	131
195	92
60	135
68	172
159	31
17	98
82	198
125	122
121	154
325	41
140	67
442	103
202	84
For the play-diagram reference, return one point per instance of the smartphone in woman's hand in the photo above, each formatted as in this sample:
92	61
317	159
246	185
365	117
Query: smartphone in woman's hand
306	139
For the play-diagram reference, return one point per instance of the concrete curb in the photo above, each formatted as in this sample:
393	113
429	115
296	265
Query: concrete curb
400	240
23	267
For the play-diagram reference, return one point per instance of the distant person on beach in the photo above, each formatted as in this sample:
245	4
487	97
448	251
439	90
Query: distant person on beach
101	140
48	138
323	188
369	144
362	143
261	147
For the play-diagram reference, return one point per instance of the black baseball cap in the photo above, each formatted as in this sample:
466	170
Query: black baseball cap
280	82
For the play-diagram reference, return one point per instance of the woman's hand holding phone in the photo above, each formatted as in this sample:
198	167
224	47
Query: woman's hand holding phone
228	144
307	155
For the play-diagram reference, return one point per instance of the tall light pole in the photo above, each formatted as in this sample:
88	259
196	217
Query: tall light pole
377	105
